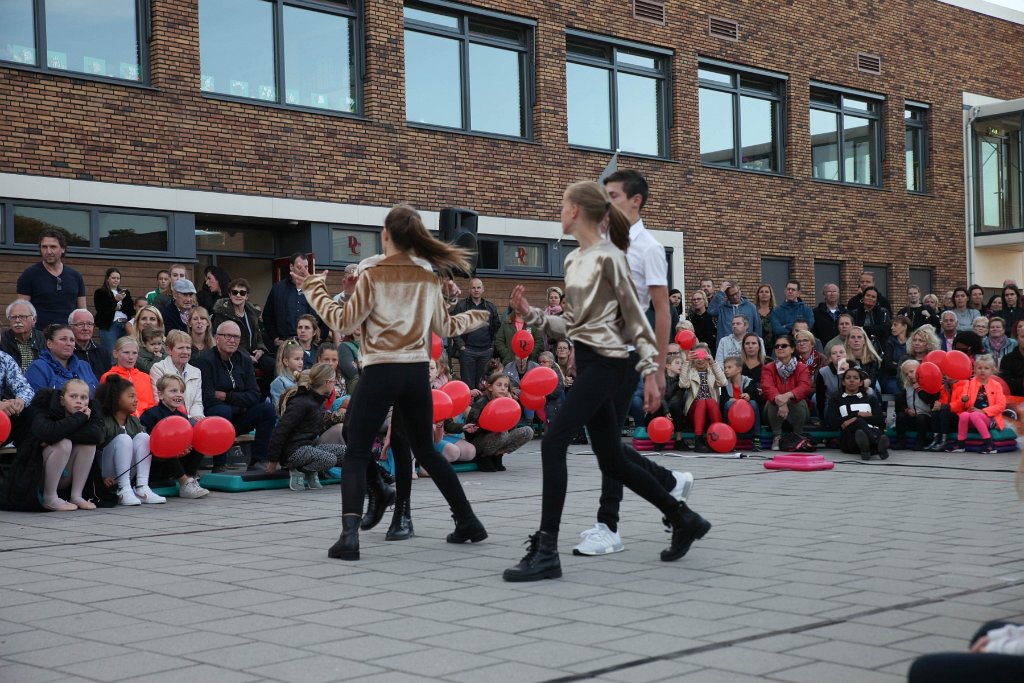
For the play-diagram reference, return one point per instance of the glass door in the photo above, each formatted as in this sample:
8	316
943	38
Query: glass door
997	168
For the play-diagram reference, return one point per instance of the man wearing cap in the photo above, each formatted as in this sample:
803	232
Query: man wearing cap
175	314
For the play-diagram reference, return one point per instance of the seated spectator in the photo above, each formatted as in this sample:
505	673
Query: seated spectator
703	324
994	307
789	311
179	353
861	353
996	343
515	371
980	326
827	386
124	450
98	357
942	417
861	418
844	324
147	318
922	341
237	308
290	360
230	390
126	353
165	297
333	427
913	409
490	446
969	343
307	333
22	342
113	305
151	350
875	320
175	314
979	404
15	395
893	352
184	468
918	312
507	330
675	300
808	355
804	326
826	314
947	300
996	655
139	303
66	427
163	286
965	315
729	302
200	330
737	387
57	364
349	360
765	302
732	345
947	330
867	279
786	387
1012	310
216	287
672	401
703	380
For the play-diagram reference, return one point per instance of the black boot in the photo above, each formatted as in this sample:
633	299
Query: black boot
467	528
700	444
687	527
863	443
380	496
498	465
485	463
883	447
540	562
401	523
347	547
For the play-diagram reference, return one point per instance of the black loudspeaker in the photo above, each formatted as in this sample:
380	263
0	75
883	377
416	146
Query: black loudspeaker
458	227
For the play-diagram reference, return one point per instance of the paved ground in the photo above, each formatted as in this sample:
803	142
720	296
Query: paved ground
841	576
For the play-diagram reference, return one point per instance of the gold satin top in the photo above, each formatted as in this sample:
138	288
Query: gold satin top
397	303
600	308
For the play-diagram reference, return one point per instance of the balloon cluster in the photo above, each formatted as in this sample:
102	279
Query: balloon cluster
174	436
956	365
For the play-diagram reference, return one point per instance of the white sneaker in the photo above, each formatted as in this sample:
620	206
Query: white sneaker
313	481
192	490
146	495
125	496
296	480
684	482
599	541
775	443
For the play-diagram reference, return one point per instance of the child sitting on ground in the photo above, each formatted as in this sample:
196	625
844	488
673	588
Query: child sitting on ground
859	415
125	446
491	447
171	393
979	403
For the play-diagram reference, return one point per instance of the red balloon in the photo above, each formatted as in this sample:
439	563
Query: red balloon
171	437
958	365
5	426
686	339
458	392
531	402
500	414
937	356
442	405
213	435
539	381
741	416
929	377
660	429
436	346
522	343
721	437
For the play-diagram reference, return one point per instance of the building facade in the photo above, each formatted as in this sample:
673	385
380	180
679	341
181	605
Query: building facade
809	140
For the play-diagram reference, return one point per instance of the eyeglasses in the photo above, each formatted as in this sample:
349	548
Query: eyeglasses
782	346
230	337
84	325
239	292
18	318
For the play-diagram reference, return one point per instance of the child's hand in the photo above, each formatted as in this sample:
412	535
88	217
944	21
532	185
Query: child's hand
469	428
745	397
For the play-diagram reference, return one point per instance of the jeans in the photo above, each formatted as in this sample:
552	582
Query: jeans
473	365
110	336
260	416
756	431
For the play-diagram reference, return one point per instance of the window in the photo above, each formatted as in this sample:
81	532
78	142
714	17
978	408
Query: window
74	36
740	117
298	54
922	277
352	246
775	272
617	95
917	146
92	229
998	174
524	256
845	136
825	272
467	71
240	240
881	277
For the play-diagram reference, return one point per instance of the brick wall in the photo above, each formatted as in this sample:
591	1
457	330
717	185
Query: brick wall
172	136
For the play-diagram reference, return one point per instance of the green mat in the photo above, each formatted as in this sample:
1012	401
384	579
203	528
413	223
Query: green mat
250	481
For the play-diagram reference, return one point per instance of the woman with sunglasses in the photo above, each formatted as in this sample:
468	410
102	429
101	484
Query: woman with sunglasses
237	308
785	386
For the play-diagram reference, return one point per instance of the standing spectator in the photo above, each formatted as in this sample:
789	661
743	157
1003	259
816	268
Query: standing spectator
503	340
976	297
475	348
216	286
554	307
765	303
730	302
707	285
867	279
994	306
307	334
875	319
947	330
918	312
57	364
349	362
893	352
702	320
163	286
997	343
175	314
675	300
22	341
113	304
1012	311
238	309
286	303
199	330
165	297
825	325
789	311
1011	368
95	356
964	314
15	395
53	288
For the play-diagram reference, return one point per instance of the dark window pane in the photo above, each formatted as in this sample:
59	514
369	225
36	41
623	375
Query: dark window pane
494	29
760	83
858	150
17	32
639	107
589	50
29	221
100	39
130	231
235	239
236	48
588	101
775	272
495	90
433	80
319	60
825	97
720	77
922	277
716	127
636	60
824	145
489	258
757	134
432	18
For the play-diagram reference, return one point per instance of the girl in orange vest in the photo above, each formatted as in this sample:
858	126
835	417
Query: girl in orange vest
979	403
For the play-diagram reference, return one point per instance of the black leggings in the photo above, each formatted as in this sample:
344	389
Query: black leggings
406	387
957	667
591	403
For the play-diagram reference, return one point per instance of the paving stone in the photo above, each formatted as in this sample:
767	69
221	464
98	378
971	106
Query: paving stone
315	669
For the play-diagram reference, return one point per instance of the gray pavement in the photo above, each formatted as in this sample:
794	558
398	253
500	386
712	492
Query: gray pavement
841	576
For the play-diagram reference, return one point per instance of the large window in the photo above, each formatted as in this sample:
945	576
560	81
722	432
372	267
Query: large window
295	53
845	135
740	117
90	229
776	272
914	115
617	95
467	70
100	39
827	272
998	174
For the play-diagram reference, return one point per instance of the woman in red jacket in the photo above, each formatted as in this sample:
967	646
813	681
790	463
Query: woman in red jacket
785	386
979	403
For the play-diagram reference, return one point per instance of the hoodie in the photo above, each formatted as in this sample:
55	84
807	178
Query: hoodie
725	311
788	312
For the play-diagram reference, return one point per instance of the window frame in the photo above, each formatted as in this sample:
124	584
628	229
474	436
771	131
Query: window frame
526	48
143	36
352	9
737	91
614	66
875	114
920	127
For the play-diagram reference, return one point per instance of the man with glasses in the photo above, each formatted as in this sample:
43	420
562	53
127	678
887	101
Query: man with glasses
230	391
789	311
237	308
53	288
184	299
22	341
729	302
87	350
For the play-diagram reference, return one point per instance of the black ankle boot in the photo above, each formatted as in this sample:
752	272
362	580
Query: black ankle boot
485	463
347	547
540	562
467	528
687	527
700	444
380	496
499	466
401	523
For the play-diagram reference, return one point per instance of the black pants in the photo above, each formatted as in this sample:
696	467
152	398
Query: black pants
591	404
405	386
848	436
611	489
922	424
941	420
961	667
473	365
175	468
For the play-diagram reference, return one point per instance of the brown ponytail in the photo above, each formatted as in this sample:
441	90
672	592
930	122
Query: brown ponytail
407	232
596	205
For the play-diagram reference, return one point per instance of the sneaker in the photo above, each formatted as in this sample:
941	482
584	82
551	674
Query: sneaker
192	490
125	496
956	447
987	447
313	481
296	480
775	443
599	541
684	482
146	495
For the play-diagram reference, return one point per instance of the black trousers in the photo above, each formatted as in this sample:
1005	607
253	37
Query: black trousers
404	386
611	489
922	424
968	667
848	438
590	403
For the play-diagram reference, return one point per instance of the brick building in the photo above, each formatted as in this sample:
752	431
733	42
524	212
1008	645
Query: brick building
805	140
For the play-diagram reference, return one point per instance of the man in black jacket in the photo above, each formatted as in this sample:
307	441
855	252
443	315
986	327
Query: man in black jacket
175	314
98	357
476	348
826	314
867	279
286	303
1011	368
230	391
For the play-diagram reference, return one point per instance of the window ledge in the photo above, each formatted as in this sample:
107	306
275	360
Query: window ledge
926	194
623	153
840	183
284	107
471	133
75	76
750	171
